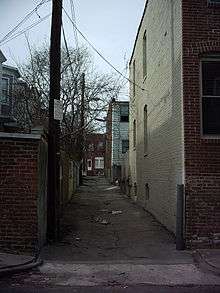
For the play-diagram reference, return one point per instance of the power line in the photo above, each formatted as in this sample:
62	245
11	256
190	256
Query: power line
93	47
26	29
74	20
23	20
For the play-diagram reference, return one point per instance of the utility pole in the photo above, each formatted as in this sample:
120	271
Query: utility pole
82	124
53	195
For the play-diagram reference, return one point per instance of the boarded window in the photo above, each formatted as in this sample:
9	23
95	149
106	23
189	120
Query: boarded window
211	97
134	133
134	78
145	130
144	54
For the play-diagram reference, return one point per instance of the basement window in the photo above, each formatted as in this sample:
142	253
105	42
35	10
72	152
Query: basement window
211	97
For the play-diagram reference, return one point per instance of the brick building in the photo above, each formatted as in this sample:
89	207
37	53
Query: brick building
174	115
117	142
95	154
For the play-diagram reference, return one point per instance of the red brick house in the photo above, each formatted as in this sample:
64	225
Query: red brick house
175	116
95	154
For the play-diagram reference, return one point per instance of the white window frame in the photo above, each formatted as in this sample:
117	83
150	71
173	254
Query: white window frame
100	165
206	136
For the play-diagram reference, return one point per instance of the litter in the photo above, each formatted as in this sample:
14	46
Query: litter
116	212
104	222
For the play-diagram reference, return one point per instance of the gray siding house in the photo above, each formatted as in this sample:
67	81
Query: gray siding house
8	78
117	138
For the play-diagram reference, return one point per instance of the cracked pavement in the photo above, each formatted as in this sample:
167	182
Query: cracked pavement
109	242
91	232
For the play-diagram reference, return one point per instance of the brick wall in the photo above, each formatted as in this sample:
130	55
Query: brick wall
22	191
201	35
161	167
95	150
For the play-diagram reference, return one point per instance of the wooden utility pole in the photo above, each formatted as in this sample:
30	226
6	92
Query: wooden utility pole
82	125
53	195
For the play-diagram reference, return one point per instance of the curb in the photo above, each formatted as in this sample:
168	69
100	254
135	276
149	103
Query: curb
9	270
203	264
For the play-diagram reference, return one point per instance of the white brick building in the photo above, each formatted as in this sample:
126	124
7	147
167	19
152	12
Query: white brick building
156	128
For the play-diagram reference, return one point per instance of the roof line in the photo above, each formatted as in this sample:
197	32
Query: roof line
138	31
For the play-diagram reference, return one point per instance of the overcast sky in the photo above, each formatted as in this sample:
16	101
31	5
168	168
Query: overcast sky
111	25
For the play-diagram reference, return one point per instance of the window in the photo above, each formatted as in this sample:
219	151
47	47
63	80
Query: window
124	113
134	133
100	145
99	163
211	96
214	1
89	164
125	146
5	90
145	131
134	78
144	55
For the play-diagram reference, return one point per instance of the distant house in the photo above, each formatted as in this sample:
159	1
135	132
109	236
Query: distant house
117	142
8	79
175	116
95	154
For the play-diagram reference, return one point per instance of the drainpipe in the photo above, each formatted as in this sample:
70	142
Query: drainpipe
180	244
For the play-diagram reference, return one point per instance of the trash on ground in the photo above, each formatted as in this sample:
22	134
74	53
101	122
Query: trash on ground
77	238
116	212
104	222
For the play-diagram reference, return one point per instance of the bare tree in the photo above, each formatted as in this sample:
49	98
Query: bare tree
31	103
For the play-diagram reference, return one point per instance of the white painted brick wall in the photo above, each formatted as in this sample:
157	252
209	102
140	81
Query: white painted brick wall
162	167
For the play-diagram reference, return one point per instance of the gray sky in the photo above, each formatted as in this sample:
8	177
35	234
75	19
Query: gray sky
111	25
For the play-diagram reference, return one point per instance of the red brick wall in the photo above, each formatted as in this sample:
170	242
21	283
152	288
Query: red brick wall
94	139
18	193
201	35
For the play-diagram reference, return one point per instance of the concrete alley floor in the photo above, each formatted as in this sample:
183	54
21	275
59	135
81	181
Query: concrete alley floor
111	245
101	224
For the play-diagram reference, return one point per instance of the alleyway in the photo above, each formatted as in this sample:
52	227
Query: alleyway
101	224
111	245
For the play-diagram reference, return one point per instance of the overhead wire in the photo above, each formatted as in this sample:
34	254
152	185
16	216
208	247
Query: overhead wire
26	29
73	13
26	17
108	62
